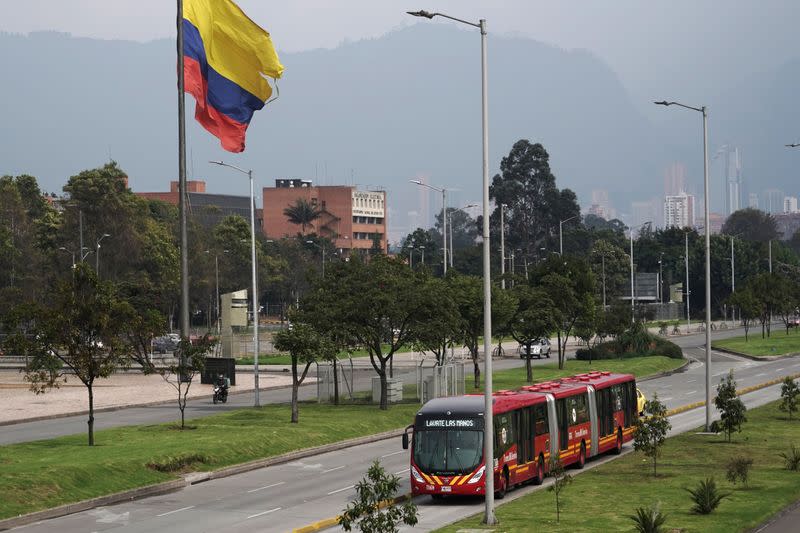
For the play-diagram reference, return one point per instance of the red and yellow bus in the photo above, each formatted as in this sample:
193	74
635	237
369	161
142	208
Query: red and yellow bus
577	417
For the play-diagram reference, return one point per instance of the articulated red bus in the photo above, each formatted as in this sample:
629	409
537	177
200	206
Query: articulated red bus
576	417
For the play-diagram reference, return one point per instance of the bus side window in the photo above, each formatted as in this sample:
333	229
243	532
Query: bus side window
542	427
504	434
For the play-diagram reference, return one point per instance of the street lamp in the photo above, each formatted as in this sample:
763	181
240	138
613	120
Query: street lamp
249	173
444	217
216	278
733	275
503	246
703	110
488	434
69	252
560	238
97	253
661	278
323	255
633	292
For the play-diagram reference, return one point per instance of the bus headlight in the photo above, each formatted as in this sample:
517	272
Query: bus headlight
478	475
416	475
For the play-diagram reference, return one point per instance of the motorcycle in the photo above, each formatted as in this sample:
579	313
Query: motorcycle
220	394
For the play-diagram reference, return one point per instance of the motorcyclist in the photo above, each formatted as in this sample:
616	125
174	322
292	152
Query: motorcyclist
223	383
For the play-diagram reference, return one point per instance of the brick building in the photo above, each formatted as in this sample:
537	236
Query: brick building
350	217
206	208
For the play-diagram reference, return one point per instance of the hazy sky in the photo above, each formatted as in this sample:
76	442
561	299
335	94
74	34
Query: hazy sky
697	45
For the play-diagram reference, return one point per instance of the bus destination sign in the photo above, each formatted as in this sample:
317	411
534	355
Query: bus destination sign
451	423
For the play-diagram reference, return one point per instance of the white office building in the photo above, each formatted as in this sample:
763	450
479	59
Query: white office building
790	204
679	211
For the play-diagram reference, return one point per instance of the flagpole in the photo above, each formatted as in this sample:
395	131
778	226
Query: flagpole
182	181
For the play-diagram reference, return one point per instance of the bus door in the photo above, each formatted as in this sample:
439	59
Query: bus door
595	434
563	424
524	435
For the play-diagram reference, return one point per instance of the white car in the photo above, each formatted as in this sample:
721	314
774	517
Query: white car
539	348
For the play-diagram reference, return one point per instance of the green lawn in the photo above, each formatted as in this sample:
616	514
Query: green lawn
601	499
285	359
43	474
778	343
640	367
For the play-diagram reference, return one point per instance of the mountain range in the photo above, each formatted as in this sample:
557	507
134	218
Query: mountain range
381	111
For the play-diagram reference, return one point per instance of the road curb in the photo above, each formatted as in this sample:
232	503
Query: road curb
330	522
755	357
71	508
688	361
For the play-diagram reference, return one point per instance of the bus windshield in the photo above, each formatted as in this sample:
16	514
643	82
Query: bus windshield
448	451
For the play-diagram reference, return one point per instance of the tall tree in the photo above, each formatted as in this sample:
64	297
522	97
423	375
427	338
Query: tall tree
302	213
527	186
79	333
751	224
533	318
438	329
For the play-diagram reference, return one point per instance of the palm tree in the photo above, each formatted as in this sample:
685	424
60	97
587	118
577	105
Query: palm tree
303	213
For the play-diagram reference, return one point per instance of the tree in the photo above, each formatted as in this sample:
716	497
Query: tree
305	346
80	333
377	305
189	360
535	205
438	328
790	396
303	213
650	431
374	510
468	295
560	481
732	410
748	305
532	319
751	224
767	288
571	287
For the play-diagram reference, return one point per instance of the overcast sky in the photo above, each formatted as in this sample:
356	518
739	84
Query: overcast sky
692	46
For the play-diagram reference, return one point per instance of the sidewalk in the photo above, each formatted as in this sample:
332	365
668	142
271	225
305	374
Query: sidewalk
119	390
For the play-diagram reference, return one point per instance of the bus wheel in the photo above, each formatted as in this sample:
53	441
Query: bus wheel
437	496
581	457
500	493
539	472
618	448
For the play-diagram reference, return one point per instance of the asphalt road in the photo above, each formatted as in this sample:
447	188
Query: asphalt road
287	496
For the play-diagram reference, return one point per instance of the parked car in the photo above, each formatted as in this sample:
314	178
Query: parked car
539	348
165	344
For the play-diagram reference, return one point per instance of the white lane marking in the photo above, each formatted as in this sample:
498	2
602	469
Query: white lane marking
690	392
401	472
690	380
393	453
779	369
761	374
267	487
795	366
176	510
720	373
665	399
265	512
340	490
332	469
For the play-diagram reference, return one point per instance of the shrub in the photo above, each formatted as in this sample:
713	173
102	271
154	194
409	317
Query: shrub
732	409
178	463
791	460
706	496
616	349
649	520
738	469
790	396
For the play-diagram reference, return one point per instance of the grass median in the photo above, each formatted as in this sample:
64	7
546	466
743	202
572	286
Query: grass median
603	498
43	474
778	343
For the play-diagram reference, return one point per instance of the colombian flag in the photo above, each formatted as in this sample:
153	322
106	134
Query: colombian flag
227	60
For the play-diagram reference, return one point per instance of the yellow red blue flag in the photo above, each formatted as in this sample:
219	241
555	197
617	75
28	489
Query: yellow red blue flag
227	60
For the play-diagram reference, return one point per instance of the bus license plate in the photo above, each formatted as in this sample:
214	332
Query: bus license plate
446	488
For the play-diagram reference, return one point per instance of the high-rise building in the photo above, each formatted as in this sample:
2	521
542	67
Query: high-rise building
674	179
752	200
772	201
648	211
349	217
790	204
679	211
733	179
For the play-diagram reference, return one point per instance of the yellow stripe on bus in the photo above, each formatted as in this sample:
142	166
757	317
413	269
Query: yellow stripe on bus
453	481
